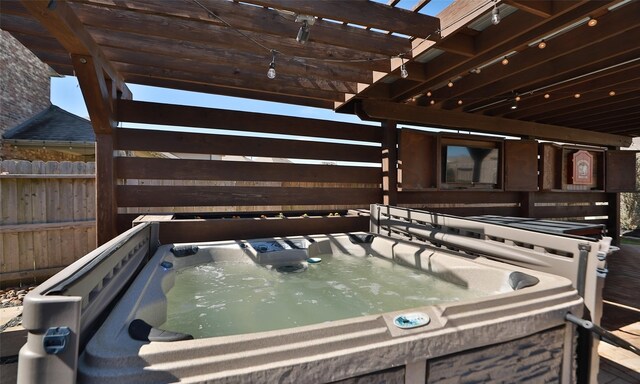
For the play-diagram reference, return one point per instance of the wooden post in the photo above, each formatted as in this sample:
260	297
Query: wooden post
389	163
107	210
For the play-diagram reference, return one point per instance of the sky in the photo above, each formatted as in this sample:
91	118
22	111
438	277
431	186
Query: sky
66	94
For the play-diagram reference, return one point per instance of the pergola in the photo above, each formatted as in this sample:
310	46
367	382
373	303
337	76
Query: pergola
550	70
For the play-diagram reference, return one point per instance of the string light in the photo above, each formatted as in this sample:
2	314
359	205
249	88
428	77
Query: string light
450	84
612	93
271	73
517	98
505	61
514	105
460	102
542	44
403	69
428	93
577	95
432	102
495	14
546	95
592	22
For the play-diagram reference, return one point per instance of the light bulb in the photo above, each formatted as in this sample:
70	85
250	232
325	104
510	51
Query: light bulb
428	93
577	95
459	102
403	71
271	73
495	15
450	84
542	44
592	22
517	98
546	95
514	105
432	102
505	61
612	93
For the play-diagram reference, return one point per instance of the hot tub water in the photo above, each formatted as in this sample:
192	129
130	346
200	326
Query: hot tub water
226	298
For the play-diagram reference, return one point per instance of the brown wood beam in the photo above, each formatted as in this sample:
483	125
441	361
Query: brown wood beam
182	30
514	31
64	25
228	91
389	163
200	117
474	122
281	85
580	42
95	92
542	8
267	21
365	13
106	205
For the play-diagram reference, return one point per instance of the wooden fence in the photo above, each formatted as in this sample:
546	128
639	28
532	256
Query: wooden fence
47	217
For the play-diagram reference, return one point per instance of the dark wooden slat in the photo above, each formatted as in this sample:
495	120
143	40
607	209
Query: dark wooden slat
106	206
228	91
168	169
169	196
188	116
458	197
212	230
569	197
473	211
365	13
164	141
621	172
570	211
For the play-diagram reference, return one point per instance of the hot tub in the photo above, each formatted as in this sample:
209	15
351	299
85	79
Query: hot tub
328	308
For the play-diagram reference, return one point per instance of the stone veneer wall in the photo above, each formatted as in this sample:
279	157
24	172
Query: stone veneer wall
24	83
532	359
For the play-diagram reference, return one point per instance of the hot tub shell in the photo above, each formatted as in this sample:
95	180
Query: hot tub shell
526	326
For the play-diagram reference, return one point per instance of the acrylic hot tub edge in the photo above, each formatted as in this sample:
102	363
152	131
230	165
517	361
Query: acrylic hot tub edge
328	351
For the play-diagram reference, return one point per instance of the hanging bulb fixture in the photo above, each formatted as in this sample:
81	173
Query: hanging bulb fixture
546	95
592	22
505	61
271	73
542	44
432	102
403	69
517	98
495	14
514	105
612	93
428	93
450	84
460	102
303	33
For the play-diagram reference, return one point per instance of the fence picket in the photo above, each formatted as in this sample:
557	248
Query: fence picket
27	201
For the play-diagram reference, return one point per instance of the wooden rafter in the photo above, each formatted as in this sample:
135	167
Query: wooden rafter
365	13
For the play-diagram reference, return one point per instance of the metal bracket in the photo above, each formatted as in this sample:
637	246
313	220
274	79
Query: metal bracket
56	339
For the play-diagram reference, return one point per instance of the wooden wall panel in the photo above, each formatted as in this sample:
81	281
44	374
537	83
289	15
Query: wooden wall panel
165	141
170	169
418	160
188	116
212	230
621	172
159	196
520	165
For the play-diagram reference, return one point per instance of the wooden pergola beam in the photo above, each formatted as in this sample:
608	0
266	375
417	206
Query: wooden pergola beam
382	110
365	13
62	23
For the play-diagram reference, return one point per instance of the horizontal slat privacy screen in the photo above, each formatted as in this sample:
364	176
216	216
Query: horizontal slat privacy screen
156	176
